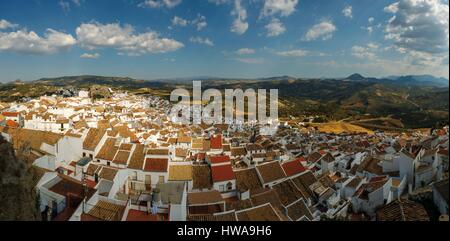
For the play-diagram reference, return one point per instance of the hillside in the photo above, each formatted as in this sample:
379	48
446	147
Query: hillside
415	101
18	199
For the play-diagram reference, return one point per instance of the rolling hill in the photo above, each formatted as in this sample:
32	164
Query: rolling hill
414	101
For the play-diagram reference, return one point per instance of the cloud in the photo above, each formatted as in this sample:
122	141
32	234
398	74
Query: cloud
348	11
28	42
245	51
177	21
64	5
250	60
160	3
5	24
124	39
419	25
371	19
90	56
366	52
282	7
200	22
323	30
200	40
275	28
293	53
240	24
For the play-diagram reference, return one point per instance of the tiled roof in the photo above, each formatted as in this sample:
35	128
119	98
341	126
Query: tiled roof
201	176
156	165
180	173
222	173
93	138
292	168
402	210
137	158
208	197
247	180
270	172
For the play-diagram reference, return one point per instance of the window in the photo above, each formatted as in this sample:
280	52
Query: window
161	179
84	154
222	188
91	156
229	186
108	163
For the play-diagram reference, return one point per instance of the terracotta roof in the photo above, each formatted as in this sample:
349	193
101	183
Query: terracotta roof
247	180
158	152
267	196
261	213
219	159
202	198
122	157
294	167
137	158
93	138
21	137
303	182
107	211
402	210
201	177
108	173
238	151
270	172
287	192
222	173
180	173
108	150
298	210
216	142
156	165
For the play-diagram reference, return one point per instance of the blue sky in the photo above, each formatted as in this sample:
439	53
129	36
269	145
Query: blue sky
150	39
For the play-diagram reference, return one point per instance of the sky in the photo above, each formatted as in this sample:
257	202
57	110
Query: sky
153	39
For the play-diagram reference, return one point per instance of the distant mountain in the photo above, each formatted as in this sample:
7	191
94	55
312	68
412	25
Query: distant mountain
356	77
418	101
420	80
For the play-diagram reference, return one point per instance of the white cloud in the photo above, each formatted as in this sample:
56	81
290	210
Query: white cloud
419	25
293	53
348	11
371	19
64	5
245	51
124	39
250	60
282	7
240	24
160	3
5	24
200	40
418	29
275	28
177	21
200	22
90	56
365	52
323	30
28	42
